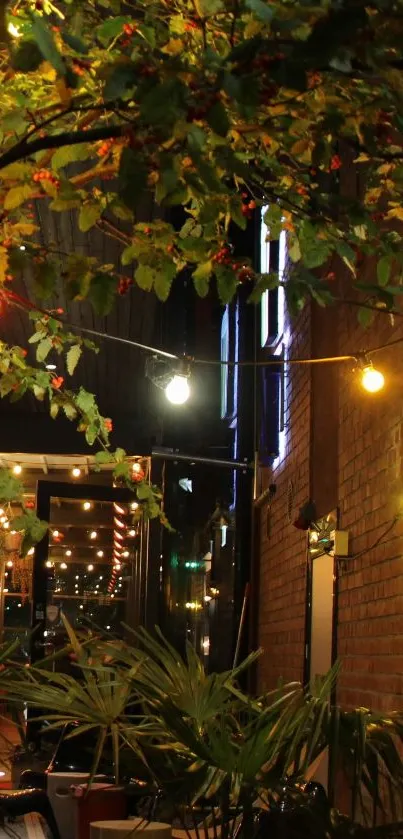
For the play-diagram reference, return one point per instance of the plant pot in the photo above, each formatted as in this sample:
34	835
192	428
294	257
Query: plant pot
100	803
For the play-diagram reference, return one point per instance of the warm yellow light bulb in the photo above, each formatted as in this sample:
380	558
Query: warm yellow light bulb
372	380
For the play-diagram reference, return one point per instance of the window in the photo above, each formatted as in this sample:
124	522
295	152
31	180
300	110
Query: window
224	359
273	341
272	259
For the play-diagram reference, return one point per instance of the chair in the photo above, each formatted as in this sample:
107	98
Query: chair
14	803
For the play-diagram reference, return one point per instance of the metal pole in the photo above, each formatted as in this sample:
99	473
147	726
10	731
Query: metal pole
170	454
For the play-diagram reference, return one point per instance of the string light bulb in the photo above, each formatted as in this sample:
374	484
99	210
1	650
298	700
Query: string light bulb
87	505
93	534
90	567
177	390
372	380
17	469
76	472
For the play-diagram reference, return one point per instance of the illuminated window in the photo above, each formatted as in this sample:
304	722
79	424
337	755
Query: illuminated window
224	358
272	260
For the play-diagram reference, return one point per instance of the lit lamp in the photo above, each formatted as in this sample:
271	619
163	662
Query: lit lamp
178	391
171	376
372	380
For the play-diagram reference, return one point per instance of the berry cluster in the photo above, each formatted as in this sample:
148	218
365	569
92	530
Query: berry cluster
105	148
45	175
247	206
124	285
129	28
224	257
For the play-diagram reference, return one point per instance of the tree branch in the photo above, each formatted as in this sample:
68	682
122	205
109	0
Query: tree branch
23	149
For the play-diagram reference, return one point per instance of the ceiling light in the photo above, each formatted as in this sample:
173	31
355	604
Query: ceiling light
177	390
17	469
76	472
372	380
90	567
63	566
93	534
87	505
68	552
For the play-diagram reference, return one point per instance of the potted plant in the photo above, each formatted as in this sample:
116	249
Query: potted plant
218	757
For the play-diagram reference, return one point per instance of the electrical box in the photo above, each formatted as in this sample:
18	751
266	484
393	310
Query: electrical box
341	542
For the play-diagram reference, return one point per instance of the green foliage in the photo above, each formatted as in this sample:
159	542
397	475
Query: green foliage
194	107
199	736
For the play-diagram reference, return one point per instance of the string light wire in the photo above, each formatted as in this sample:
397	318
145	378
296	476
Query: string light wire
20	302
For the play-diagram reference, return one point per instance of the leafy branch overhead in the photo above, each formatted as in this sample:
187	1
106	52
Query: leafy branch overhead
215	106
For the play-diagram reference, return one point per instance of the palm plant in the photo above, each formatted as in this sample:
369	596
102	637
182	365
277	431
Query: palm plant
207	744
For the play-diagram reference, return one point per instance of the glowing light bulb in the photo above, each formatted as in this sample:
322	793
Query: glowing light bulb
372	380
100	553
76	472
87	505
125	554
178	390
136	467
68	552
90	567
6	525
93	534
49	564
132	532
117	566
13	30
134	505
50	366
9	563
63	566
31	552
17	469
56	534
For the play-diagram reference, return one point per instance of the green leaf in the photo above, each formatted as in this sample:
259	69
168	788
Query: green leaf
201	276
112	27
70	411
104	457
85	401
129	254
72	358
89	214
264	11
91	434
46	43
144	277
15	171
121	78
70	154
54	409
102	293
365	317
74	42
218	119
44	279
27	57
43	349
132	179
163	280
383	270
17	195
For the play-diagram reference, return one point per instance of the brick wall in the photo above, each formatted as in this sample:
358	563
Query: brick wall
282	585
345	448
